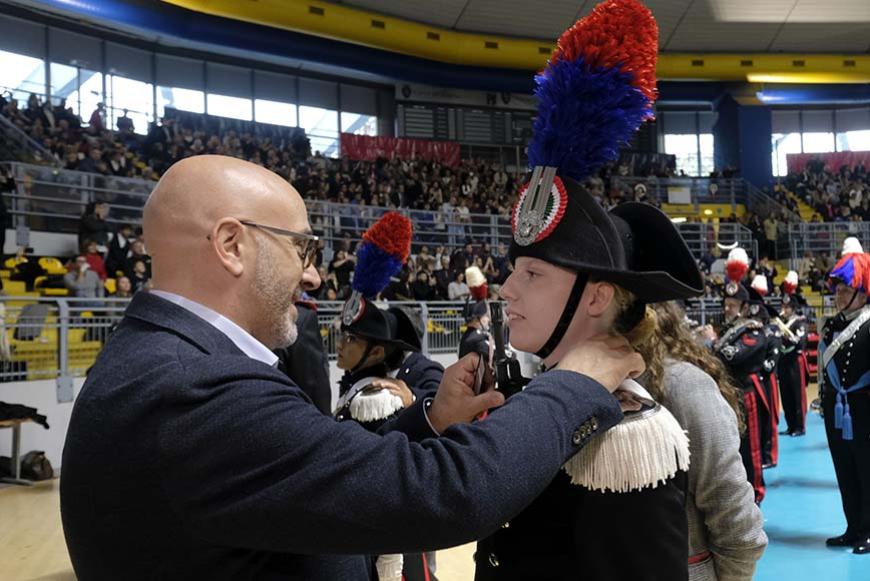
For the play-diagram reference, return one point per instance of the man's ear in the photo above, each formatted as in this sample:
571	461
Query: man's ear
601	296
226	241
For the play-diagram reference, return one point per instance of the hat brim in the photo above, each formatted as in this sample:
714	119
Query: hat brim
664	268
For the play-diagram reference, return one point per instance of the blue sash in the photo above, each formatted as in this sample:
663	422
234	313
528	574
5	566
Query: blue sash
842	415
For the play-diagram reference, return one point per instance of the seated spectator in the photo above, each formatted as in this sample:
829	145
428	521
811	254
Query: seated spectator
458	290
342	266
425	287
137	254
83	283
95	259
123	288
140	280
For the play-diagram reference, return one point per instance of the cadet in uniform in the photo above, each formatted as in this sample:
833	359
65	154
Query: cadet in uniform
843	352
742	346
476	338
379	349
580	271
793	369
767	315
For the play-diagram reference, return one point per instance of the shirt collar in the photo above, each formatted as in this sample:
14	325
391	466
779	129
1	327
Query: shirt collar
242	339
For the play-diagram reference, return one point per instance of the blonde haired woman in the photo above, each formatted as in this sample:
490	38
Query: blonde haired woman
726	535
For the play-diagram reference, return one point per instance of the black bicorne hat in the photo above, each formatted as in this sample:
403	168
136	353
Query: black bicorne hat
635	246
388	327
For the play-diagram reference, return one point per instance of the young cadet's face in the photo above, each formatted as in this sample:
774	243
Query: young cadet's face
733	309
350	350
536	293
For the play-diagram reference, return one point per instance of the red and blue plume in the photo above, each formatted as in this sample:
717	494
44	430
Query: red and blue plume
384	249
596	90
854	270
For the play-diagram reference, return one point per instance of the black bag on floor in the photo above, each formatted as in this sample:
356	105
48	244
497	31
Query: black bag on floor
35	466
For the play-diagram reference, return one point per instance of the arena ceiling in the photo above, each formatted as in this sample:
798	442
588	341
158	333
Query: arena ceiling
801	26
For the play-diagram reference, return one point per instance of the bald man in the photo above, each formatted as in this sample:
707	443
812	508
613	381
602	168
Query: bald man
190	456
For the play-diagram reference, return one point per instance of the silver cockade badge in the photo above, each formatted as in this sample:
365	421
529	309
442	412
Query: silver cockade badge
353	308
540	208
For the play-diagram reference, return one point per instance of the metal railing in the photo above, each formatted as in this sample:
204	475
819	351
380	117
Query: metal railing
701	190
701	238
54	338
23	145
825	238
60	338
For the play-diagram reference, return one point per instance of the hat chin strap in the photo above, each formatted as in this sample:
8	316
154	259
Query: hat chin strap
567	315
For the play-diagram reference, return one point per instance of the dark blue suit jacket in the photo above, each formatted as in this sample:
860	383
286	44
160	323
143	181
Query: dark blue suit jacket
185	459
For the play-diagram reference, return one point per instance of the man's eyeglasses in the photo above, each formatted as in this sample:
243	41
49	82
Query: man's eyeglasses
306	244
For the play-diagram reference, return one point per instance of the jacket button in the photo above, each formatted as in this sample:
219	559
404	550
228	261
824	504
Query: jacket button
593	423
506	525
408	370
493	560
577	438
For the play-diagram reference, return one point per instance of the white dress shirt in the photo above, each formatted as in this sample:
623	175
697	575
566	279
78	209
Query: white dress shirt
242	339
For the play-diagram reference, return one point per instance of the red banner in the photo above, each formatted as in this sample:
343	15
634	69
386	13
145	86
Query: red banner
367	148
796	162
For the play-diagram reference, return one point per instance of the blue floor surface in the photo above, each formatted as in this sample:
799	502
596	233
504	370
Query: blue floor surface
801	510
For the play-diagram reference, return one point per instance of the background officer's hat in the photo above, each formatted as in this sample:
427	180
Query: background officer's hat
736	267
853	269
384	249
475	306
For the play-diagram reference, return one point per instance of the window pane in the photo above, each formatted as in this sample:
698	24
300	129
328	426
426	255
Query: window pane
321	126
84	99
64	81
685	148
854	140
275	112
134	97
359	124
782	144
21	75
230	107
708	164
818	142
181	99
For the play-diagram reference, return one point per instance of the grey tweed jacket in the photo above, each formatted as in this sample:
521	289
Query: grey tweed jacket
723	518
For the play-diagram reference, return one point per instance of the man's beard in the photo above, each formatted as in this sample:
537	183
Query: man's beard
276	301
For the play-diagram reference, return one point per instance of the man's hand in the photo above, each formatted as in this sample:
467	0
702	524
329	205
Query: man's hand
395	386
608	360
455	401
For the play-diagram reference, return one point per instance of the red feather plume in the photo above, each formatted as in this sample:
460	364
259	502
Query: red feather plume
479	293
616	34
392	234
736	270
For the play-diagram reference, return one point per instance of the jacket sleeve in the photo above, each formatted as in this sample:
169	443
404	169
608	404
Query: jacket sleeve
284	477
717	479
750	345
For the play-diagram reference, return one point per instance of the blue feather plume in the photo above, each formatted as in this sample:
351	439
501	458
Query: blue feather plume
374	268
584	116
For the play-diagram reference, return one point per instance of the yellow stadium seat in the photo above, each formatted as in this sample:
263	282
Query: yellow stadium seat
111	285
52	265
14	287
5	274
14	261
